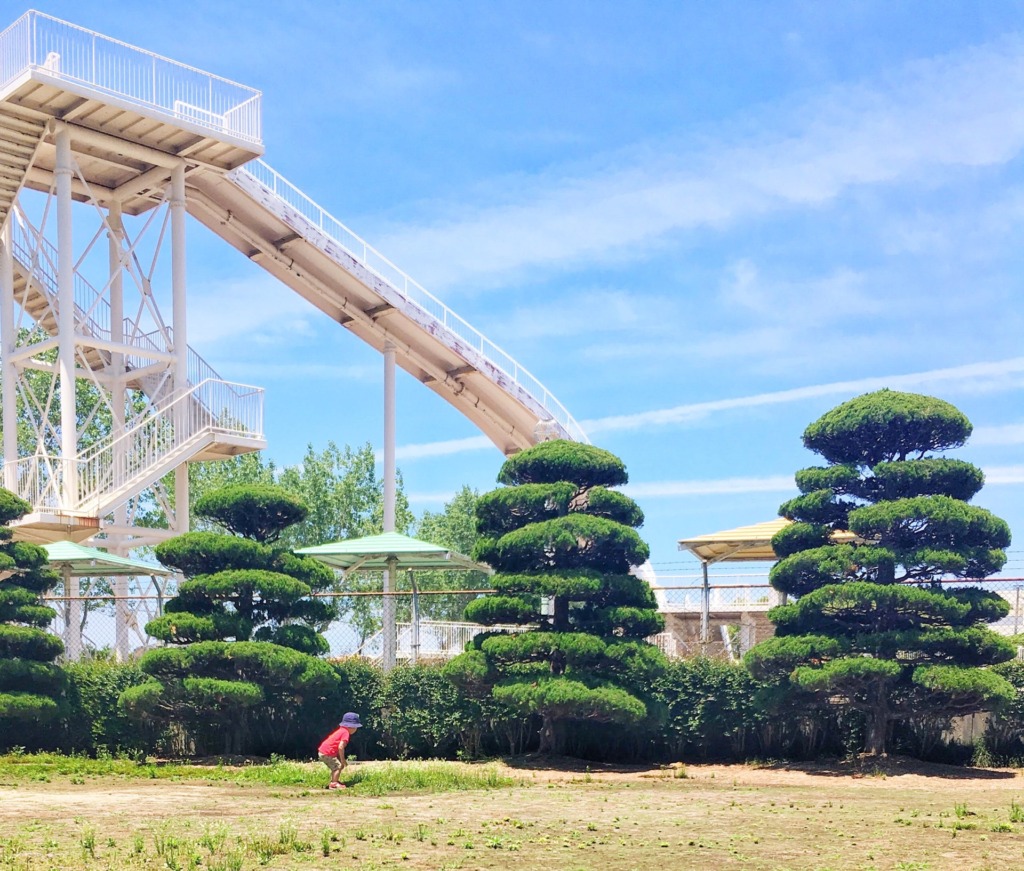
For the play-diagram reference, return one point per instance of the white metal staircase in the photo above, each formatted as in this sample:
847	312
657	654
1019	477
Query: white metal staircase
211	419
119	467
135	121
19	137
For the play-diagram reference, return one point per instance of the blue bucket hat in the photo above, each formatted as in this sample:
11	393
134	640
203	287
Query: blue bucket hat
351	721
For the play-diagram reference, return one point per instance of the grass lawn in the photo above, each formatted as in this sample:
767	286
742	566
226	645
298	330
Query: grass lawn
68	813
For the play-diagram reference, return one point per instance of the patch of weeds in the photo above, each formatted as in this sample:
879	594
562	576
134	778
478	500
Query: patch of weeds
327	837
1016	812
214	838
1002	827
981	757
89	841
228	862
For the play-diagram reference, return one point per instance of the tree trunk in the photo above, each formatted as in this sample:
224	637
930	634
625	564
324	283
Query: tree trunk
878	722
552	738
560	617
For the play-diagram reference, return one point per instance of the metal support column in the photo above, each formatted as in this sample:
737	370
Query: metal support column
180	335
705	610
389	633
8	371
64	173
73	616
122	613
414	643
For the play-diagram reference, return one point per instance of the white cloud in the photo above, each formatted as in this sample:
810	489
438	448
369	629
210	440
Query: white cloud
772	483
997	376
654	489
1009	434
1004	475
959	111
440	498
299	371
442	449
259	311
1001	375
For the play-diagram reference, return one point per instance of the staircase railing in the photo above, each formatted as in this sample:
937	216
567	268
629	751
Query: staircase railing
107	471
92	309
272	182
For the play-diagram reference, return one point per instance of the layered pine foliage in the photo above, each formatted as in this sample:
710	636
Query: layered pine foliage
31	684
877	531
557	535
244	628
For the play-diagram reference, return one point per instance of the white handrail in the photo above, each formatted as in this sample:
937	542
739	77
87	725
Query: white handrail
74	54
113	465
411	290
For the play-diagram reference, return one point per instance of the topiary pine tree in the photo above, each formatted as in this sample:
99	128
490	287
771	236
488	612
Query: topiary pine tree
244	627
31	685
556	531
873	629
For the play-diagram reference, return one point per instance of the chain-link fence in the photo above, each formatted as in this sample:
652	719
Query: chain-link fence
720	620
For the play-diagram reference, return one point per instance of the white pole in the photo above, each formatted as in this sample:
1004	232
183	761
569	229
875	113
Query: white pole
389	437
389	629
389	636
705	610
415	643
8	341
74	618
64	172
180	328
117	403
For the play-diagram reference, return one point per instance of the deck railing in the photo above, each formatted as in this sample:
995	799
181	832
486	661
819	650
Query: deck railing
73	54
411	290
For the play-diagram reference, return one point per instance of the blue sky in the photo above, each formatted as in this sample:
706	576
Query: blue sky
699	225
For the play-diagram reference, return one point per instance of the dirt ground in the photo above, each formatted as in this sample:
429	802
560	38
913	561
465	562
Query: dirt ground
894	815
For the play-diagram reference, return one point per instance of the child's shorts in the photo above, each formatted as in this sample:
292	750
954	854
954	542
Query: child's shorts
332	762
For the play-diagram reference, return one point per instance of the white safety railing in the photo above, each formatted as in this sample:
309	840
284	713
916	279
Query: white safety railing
740	597
74	54
413	292
103	474
38	257
114	466
438	639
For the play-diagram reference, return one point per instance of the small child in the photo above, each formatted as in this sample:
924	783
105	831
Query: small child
332	748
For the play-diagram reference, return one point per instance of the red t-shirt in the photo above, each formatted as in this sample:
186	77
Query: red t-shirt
332	742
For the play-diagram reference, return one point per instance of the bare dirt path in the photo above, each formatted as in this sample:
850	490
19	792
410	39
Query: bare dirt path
894	815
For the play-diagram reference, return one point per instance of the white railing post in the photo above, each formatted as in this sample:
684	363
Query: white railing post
8	370
66	321
182	422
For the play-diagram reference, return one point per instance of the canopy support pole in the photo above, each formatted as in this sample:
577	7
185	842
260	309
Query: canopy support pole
705	610
73	617
414	644
389	635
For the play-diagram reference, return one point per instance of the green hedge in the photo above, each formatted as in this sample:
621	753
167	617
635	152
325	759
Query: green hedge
698	709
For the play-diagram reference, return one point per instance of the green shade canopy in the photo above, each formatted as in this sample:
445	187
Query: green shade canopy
379	552
79	561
